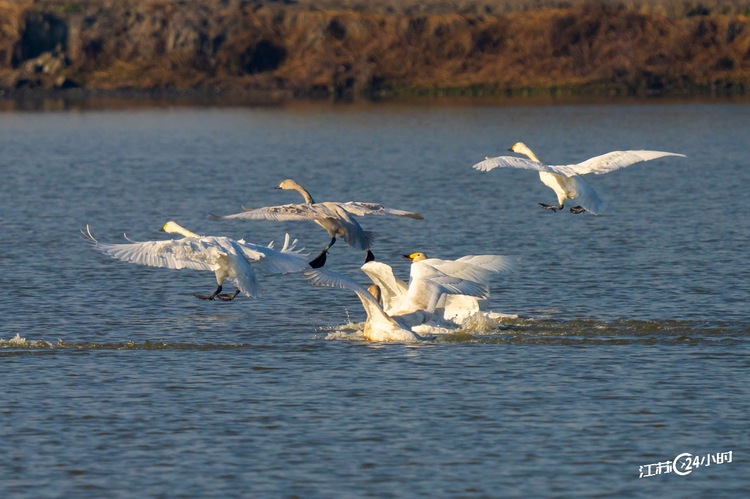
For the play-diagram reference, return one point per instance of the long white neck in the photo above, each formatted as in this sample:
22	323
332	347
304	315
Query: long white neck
175	228
523	149
304	192
292	185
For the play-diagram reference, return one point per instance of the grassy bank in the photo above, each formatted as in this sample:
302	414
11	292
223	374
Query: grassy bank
349	48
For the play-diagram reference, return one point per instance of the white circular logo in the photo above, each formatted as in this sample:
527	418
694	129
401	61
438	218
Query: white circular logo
687	464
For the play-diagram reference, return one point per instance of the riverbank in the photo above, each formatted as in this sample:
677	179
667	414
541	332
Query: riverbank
347	49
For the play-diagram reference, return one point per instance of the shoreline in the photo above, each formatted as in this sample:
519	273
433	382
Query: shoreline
79	99
282	51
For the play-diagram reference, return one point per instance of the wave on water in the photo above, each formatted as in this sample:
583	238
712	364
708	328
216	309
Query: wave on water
17	342
494	328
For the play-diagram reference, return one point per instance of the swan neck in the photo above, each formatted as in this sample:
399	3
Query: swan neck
305	194
528	152
178	229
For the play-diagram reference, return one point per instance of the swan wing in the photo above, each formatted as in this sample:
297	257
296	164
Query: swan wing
239	271
586	196
392	289
617	159
277	213
198	253
339	221
428	283
522	163
361	209
494	263
476	268
288	259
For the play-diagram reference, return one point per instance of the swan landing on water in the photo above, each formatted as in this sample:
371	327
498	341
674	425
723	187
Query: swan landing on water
379	326
566	180
336	218
226	258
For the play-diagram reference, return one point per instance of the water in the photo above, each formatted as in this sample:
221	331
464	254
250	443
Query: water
630	347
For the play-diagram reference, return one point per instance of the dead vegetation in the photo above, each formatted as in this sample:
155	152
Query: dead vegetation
347	48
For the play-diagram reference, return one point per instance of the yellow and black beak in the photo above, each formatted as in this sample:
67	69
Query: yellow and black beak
409	257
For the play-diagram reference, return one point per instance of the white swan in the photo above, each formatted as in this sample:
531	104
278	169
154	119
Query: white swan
450	288
336	218
379	326
227	258
566	180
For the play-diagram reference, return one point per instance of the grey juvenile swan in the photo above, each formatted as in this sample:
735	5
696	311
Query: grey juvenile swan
336	218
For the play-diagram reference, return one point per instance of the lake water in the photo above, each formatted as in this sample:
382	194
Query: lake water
631	345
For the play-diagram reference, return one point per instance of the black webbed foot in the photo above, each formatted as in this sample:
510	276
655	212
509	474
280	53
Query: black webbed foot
320	260
369	257
551	207
227	296
577	209
209	297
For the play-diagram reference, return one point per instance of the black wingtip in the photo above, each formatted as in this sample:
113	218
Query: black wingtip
370	257
319	261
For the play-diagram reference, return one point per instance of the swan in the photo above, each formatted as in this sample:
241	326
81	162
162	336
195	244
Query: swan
566	180
379	325
227	258
336	218
449	287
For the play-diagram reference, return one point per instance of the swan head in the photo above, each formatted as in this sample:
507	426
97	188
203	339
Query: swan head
288	185
521	148
292	185
416	257
175	228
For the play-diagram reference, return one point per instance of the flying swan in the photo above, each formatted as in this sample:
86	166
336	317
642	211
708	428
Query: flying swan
379	326
566	180
336	218
227	258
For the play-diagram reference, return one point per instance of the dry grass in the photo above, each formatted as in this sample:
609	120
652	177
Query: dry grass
348	47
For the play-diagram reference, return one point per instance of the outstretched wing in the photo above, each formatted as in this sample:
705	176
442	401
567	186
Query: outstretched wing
617	159
493	263
196	253
392	289
360	209
427	284
276	213
522	163
287	259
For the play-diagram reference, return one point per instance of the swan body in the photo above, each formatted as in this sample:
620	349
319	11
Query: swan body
566	180
226	258
379	326
338	219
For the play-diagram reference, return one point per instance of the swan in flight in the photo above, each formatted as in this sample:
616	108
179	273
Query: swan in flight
336	218
566	180
452	287
379	325
227	258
